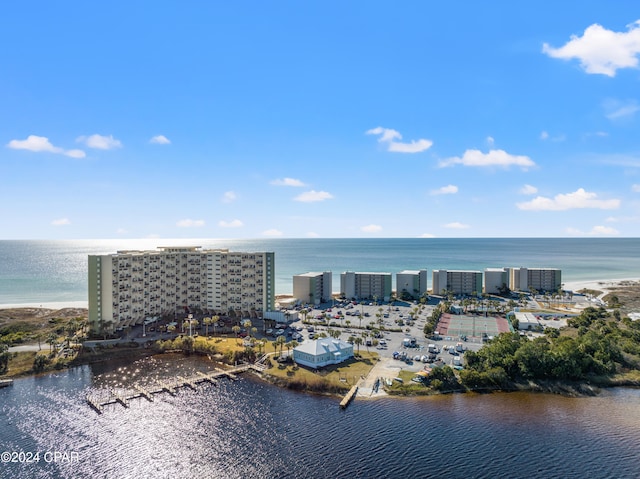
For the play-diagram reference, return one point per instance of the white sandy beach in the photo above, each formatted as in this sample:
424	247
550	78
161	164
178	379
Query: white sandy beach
600	285
53	305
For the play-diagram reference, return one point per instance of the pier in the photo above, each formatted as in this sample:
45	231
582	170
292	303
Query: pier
349	397
170	388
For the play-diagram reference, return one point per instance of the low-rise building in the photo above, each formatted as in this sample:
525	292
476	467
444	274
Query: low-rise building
313	288
495	279
411	284
457	282
365	285
322	352
539	279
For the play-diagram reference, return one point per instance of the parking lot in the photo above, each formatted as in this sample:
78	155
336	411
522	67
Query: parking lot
351	320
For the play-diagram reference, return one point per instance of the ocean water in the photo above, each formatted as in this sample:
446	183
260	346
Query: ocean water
56	271
248	428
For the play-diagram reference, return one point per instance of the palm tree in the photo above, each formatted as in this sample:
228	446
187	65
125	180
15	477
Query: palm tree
206	321
236	330
193	324
281	342
215	321
247	324
171	328
358	342
52	339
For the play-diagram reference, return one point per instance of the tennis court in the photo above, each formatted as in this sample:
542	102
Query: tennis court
473	326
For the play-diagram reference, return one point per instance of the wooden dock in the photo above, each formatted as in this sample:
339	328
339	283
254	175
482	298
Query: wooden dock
169	387
349	397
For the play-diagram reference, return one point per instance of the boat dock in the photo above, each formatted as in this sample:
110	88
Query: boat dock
171	388
5	382
349	397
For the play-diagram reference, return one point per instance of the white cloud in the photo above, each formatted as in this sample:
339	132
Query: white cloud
311	196
603	230
569	201
388	136
312	234
288	182
230	224
121	231
427	235
544	136
188	223
272	232
620	110
371	228
490	141
100	142
61	222
595	231
160	140
493	158
456	225
229	196
528	190
445	190
600	50
413	147
41	143
75	153
622	219
635	188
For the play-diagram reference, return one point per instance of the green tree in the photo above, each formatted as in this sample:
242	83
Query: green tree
5	355
280	341
358	341
215	320
206	321
52	340
40	363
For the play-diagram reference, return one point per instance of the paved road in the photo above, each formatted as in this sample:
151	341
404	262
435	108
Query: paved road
28	347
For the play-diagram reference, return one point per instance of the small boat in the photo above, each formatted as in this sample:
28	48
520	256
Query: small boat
5	382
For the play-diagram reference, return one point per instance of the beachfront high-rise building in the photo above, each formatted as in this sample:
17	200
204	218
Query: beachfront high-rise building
495	279
313	288
540	279
129	286
457	281
411	283
365	285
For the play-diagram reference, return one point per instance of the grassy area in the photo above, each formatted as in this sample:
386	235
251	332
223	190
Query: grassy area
335	378
21	364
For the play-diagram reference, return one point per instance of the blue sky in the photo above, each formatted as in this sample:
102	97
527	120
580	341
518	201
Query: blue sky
257	119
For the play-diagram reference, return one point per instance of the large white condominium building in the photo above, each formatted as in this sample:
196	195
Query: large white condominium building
495	279
457	281
365	285
411	283
313	288
129	286
540	279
